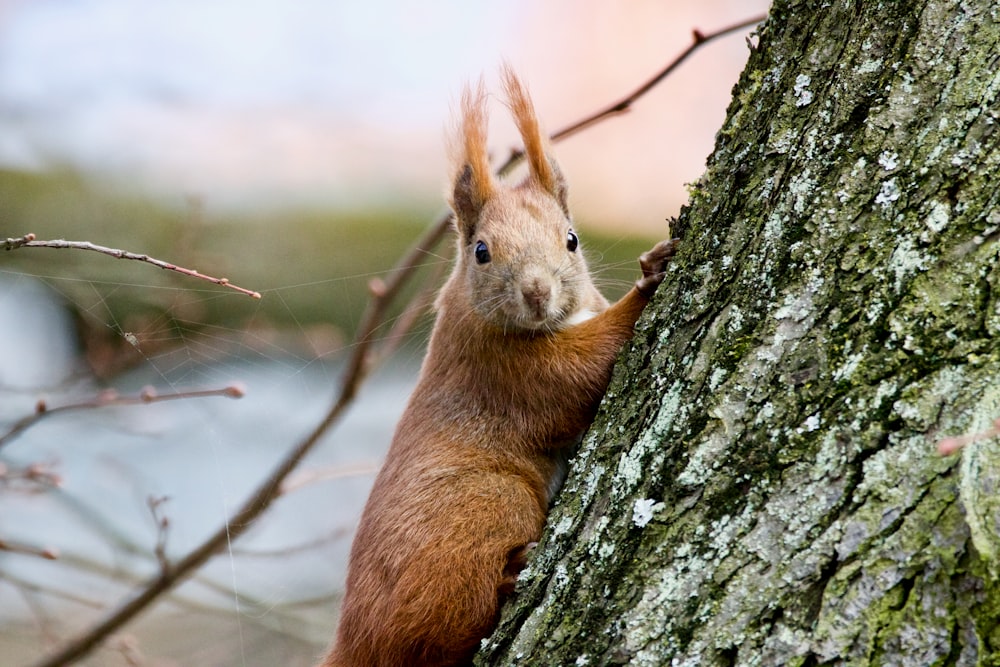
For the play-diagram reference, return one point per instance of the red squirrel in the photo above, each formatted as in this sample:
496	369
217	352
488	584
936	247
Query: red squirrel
520	355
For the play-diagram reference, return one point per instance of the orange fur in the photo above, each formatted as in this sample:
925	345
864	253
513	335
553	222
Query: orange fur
509	382
535	144
470	150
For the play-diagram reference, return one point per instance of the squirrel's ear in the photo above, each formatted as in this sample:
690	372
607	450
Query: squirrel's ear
473	184
542	168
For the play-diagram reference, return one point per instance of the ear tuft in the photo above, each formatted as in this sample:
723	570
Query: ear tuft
542	168
473	184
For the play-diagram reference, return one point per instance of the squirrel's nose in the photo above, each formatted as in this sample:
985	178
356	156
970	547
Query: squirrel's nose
537	295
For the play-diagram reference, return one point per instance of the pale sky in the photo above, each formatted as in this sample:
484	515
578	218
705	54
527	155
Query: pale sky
288	103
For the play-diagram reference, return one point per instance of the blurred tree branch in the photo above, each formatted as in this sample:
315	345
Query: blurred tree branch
108	398
29	241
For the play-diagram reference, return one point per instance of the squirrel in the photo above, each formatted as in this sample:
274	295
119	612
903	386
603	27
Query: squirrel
520	355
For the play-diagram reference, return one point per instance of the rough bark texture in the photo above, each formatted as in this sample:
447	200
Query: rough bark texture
762	486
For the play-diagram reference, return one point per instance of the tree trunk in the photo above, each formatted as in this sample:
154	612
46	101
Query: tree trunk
762	484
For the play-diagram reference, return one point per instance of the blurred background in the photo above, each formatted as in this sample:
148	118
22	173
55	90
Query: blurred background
296	149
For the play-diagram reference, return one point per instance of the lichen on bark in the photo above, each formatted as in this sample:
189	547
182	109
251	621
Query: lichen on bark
761	486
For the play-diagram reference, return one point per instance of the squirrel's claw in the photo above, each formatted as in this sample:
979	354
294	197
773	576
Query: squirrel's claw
653	263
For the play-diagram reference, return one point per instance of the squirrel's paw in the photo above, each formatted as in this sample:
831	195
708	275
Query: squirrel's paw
654	265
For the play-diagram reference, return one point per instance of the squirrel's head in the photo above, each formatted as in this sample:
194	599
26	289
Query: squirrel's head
518	256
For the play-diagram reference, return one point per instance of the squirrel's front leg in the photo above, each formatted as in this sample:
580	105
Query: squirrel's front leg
611	328
621	316
594	343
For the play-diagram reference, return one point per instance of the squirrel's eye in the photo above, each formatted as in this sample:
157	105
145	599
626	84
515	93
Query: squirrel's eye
572	241
482	253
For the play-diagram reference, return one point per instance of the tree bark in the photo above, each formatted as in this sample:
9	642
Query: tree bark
762	485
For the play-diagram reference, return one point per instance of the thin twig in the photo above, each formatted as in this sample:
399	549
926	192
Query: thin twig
418	306
25	587
28	241
358	365
35	473
14	244
20	548
111	397
699	39
162	529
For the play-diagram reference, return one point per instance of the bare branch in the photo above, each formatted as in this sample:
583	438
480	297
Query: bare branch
359	364
162	528
36	474
418	306
14	244
28	241
698	39
20	548
128	647
111	397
